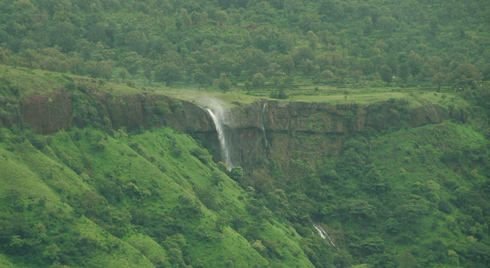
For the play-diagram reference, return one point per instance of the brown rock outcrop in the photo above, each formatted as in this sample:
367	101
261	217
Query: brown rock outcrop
47	113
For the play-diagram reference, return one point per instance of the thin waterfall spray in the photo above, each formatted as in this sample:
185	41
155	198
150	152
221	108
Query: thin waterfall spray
220	119
324	234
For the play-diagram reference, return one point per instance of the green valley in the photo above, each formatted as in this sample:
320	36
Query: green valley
244	133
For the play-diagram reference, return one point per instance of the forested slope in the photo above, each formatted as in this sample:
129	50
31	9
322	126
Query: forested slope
414	197
154	199
249	43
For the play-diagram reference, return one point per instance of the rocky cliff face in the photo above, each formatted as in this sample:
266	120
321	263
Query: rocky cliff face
47	113
134	111
62	110
260	132
278	131
341	118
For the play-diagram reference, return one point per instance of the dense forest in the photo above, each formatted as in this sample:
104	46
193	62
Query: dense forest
252	43
376	155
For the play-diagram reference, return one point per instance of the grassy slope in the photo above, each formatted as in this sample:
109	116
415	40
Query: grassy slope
21	82
19	177
119	199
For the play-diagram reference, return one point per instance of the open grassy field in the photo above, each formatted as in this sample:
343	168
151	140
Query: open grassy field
414	96
21	82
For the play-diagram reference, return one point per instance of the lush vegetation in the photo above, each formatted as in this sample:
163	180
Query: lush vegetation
409	198
152	199
93	196
252	44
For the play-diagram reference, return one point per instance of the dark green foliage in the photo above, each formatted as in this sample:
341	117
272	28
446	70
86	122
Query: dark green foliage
168	73
465	76
258	80
278	94
236	174
386	74
445	206
224	84
162	108
37	142
203	155
177	106
208	197
210	38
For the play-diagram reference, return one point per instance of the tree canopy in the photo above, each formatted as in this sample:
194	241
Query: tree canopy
352	39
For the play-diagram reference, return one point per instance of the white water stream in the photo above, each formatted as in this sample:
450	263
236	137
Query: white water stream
324	234
220	118
225	150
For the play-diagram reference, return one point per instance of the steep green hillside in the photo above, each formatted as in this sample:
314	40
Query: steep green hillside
152	199
416	195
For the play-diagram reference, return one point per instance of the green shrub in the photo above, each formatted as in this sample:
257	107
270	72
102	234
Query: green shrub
278	94
162	108
445	206
236	173
177	106
38	142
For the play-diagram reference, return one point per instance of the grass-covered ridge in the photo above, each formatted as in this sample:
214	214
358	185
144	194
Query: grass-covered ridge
19	83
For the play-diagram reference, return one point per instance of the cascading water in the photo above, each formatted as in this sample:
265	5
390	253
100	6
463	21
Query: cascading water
324	234
219	116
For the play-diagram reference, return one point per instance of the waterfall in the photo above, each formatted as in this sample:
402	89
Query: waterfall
262	116
324	234
220	117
